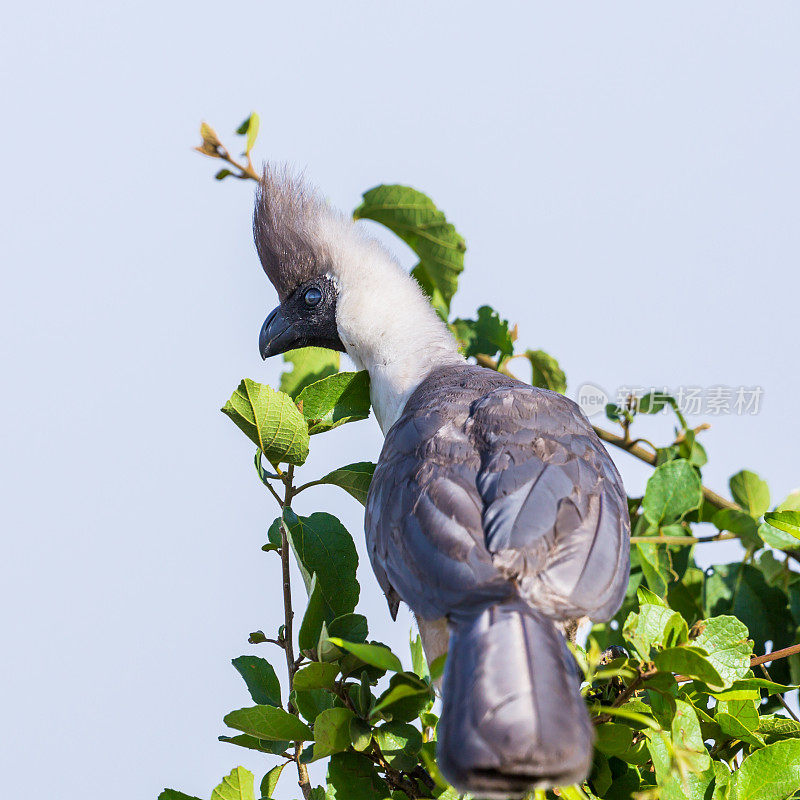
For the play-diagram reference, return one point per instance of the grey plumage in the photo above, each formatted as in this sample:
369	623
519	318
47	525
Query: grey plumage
285	213
494	504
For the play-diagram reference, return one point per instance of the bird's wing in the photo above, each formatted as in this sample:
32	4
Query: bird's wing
555	515
487	487
423	516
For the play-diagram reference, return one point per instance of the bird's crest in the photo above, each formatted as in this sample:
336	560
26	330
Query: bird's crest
284	218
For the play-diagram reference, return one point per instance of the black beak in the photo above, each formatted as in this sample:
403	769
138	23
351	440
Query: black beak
276	335
298	322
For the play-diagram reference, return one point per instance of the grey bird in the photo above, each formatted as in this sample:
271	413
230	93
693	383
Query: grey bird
495	512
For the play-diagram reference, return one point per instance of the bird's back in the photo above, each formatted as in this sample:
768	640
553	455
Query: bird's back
487	486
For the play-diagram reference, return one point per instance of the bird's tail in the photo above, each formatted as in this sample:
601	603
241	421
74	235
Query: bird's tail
513	718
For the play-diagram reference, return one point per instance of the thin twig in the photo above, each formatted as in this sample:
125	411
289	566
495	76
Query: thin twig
396	779
288	616
775	655
307	486
246	171
780	696
679	540
274	494
639	452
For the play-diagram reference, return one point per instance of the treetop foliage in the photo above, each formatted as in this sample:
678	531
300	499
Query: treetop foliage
683	703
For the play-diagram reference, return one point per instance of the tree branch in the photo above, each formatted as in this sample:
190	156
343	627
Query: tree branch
775	655
679	540
637	451
288	616
780	696
246	171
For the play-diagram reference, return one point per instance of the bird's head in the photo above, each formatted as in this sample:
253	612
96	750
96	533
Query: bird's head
338	288
288	227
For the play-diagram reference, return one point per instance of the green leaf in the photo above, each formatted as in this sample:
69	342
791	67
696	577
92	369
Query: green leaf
352	776
774	537
405	698
546	372
249	128
487	335
268	722
787	521
418	661
774	727
750	492
332	732
353	478
312	702
650	561
236	786
350	627
222	174
613	739
654	403
741	591
686	733
722	781
691	662
378	655
772	773
315	676
309	365
735	521
601	778
314	616
270	781
667	760
174	794
686	595
745	711
413	217
627	712
420	275
691	449
335	400
750	687
437	667
733	728
323	546
728	645
673	490
327	651
261	680
791	503
649	627
271	420
275	747
399	743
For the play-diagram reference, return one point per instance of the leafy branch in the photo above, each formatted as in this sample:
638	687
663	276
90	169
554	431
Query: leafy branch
677	708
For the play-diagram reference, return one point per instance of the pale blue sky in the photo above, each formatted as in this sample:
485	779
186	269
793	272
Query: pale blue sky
626	178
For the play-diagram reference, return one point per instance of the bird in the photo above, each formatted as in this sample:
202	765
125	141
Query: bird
494	512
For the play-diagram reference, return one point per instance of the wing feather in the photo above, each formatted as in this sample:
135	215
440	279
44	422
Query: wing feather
487	487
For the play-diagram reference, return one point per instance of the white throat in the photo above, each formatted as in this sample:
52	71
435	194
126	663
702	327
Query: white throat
385	322
391	384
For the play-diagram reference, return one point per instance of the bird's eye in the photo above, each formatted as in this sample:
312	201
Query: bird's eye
312	296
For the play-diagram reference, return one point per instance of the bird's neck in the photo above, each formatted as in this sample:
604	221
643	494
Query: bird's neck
391	384
389	328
